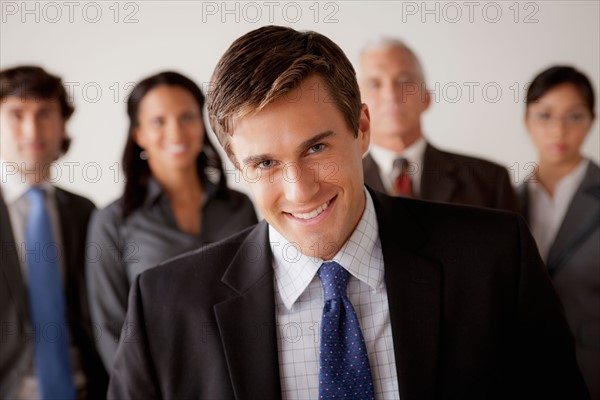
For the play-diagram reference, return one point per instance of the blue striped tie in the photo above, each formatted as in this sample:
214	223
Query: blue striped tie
344	370
47	304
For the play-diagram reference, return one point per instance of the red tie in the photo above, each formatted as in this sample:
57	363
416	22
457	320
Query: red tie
402	183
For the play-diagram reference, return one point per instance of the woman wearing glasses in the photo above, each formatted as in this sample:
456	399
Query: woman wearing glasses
561	202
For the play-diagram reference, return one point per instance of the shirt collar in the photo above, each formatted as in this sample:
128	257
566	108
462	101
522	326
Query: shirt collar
565	187
155	191
571	182
361	256
385	157
14	185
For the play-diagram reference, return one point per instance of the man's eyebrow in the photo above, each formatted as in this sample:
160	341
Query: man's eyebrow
307	144
253	160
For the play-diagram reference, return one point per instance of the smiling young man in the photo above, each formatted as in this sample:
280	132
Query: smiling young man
340	291
299	184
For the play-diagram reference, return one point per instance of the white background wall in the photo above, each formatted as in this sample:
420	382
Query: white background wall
494	48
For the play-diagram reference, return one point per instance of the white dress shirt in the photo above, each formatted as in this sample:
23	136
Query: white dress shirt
14	187
299	305
385	161
547	213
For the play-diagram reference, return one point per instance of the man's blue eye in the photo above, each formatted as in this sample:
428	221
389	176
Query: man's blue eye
317	147
544	116
266	164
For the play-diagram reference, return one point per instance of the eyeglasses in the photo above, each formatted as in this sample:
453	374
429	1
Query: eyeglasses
574	119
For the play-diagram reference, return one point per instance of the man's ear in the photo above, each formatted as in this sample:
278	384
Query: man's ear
65	141
65	144
426	100
364	128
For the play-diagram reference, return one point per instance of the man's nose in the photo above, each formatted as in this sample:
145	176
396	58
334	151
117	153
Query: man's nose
300	184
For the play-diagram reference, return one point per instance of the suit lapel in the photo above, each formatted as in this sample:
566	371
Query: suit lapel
67	230
371	172
11	266
437	179
71	261
247	322
582	218
414	290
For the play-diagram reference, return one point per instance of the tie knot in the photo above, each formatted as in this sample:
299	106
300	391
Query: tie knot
400	164
401	178
334	279
36	196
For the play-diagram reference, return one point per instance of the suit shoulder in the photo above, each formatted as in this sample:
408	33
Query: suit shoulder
456	210
229	214
521	191
467	224
207	263
113	211
105	222
434	213
472	161
593	173
238	200
238	196
75	202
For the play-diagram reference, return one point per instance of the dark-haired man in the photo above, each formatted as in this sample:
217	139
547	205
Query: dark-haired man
46	336
341	292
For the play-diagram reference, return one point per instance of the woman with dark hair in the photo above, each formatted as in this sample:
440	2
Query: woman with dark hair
175	200
562	204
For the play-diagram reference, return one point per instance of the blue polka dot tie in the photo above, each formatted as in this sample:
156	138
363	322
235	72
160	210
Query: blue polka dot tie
47	304
344	364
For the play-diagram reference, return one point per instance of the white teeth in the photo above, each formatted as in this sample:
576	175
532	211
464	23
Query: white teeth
313	213
176	148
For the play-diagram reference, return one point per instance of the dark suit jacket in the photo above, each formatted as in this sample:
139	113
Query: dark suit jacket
16	332
472	309
454	178
573	262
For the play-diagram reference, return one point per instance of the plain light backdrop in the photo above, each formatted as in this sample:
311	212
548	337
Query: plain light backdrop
478	58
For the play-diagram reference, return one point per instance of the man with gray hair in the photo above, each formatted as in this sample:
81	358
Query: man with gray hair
400	160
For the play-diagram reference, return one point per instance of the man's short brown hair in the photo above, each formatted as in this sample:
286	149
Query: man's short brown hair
34	82
265	64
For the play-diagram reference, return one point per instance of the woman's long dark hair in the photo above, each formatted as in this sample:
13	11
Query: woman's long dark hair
137	171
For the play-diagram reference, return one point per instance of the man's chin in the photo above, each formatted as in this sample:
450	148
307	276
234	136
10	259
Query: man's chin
319	247
35	168
392	131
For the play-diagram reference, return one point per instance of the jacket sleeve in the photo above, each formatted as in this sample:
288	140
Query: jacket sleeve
544	358
134	375
107	282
